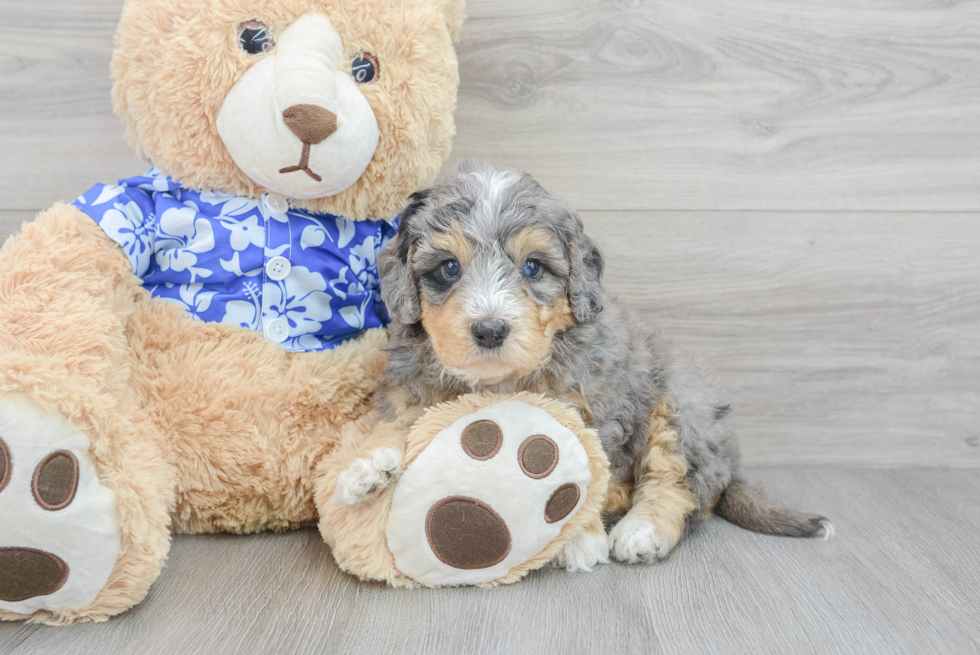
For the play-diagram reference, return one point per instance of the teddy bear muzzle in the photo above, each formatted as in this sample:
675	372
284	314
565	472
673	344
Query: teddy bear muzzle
296	122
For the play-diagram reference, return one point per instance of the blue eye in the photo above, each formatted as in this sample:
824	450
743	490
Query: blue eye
532	268
450	268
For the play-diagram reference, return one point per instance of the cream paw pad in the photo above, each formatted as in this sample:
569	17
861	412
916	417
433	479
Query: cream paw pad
489	493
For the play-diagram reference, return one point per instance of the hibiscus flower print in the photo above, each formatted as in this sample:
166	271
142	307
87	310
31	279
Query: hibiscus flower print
300	299
126	225
192	299
208	252
245	313
244	232
181	237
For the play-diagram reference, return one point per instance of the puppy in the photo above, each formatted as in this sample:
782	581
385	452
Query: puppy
493	286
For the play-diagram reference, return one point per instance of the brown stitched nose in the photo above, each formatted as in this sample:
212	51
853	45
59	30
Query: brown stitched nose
27	573
311	123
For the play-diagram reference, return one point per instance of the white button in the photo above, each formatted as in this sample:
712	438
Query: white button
278	268
275	204
277	330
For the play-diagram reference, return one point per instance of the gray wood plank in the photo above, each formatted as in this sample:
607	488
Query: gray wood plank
653	104
728	104
842	338
58	131
901	576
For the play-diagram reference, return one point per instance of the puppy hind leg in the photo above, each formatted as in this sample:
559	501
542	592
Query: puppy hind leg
661	500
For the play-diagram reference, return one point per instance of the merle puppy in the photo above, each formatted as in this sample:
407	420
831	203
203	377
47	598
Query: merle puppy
493	286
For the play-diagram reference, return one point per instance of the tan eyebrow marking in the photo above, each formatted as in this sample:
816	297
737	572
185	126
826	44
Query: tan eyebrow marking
453	240
530	240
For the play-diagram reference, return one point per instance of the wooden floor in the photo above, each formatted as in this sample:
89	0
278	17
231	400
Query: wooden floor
902	576
791	187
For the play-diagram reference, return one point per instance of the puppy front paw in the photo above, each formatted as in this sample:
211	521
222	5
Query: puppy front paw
583	552
634	540
365	476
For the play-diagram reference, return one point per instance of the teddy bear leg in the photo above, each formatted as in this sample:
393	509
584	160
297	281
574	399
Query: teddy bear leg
84	492
501	489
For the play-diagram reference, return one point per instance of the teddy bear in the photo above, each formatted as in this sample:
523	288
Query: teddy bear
195	349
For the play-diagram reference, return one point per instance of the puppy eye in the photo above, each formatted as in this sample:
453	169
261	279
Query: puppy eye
450	268
364	68
255	37
532	269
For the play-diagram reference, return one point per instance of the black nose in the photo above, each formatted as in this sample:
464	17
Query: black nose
489	334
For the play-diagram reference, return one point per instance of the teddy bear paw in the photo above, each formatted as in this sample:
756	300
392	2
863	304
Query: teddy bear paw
583	552
488	494
60	536
365	477
635	540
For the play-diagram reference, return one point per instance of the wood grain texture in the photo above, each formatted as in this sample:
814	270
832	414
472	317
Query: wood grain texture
840	338
729	104
57	128
901	576
615	104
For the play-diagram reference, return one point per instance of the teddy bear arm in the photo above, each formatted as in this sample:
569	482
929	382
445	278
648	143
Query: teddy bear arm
69	295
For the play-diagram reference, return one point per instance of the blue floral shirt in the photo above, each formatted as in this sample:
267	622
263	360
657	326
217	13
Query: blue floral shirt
307	281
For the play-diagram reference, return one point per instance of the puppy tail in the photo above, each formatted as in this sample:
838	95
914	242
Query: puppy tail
749	508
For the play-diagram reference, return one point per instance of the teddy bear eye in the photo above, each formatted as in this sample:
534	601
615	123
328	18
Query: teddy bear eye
364	68
255	37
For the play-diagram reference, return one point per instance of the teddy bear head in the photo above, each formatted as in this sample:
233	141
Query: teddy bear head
341	106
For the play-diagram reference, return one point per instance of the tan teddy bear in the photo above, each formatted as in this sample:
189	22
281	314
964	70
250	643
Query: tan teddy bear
184	351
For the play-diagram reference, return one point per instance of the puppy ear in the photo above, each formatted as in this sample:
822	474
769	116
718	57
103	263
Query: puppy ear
585	290
398	288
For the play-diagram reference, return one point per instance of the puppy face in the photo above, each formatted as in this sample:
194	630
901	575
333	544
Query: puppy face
493	266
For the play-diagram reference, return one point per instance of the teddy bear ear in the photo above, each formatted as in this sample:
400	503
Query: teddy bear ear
455	13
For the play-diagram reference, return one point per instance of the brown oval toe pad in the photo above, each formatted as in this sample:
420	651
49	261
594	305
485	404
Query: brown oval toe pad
56	481
28	573
561	503
482	440
538	456
466	534
5	465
